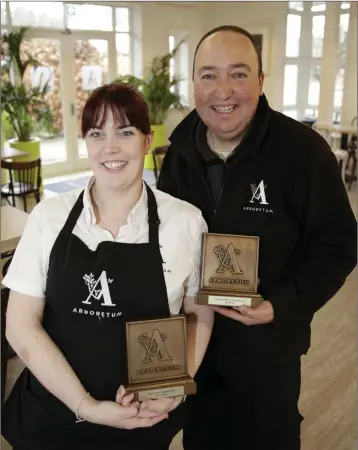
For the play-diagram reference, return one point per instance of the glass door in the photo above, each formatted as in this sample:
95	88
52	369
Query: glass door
48	50
91	67
73	64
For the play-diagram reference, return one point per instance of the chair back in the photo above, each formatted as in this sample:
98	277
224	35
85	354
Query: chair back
158	154
26	174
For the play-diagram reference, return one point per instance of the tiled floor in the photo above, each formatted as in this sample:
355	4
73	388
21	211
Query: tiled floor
328	400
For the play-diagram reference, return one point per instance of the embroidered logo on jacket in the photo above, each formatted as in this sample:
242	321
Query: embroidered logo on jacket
258	193
258	198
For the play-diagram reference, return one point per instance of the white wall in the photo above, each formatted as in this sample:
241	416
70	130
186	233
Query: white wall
255	16
159	21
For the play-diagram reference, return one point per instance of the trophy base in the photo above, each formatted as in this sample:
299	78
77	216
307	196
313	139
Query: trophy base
162	389
224	298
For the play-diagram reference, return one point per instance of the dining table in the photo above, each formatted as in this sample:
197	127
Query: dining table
8	152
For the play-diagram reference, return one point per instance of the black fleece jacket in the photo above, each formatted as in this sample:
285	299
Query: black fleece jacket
284	185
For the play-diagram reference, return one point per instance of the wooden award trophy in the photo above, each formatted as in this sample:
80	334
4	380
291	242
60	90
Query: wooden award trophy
229	271
157	363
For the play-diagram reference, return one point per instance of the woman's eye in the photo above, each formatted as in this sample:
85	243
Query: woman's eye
127	133
95	134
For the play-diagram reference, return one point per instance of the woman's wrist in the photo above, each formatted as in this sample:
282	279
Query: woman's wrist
86	408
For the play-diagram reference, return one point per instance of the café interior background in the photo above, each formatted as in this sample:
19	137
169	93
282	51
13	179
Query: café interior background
309	52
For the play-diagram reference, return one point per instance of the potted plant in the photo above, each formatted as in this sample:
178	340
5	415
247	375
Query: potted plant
160	90
22	105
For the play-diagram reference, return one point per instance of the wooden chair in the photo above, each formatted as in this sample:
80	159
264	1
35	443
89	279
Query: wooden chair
158	154
25	179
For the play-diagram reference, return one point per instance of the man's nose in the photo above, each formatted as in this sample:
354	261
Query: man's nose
223	89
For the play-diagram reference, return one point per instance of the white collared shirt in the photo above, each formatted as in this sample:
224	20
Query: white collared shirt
180	232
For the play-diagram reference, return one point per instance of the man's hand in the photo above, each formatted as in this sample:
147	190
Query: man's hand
264	313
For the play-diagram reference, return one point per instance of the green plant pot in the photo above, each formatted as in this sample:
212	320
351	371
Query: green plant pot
159	139
32	148
6	129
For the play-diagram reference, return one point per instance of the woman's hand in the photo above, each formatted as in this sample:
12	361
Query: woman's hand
159	406
113	414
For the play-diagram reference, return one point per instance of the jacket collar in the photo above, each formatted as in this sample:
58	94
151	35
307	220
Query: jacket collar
184	136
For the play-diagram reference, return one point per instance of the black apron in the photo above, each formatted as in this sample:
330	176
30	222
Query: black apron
89	297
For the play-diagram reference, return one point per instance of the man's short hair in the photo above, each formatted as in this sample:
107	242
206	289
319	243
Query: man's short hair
235	29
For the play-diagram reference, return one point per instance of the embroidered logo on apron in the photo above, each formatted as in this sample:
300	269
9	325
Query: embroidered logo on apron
98	290
103	290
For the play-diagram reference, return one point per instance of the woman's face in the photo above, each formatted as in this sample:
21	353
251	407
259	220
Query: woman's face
116	153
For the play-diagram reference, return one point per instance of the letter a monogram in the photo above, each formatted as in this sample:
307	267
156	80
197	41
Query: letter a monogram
228	259
102	291
258	193
154	346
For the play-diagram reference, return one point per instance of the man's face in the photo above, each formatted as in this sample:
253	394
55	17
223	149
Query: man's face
227	85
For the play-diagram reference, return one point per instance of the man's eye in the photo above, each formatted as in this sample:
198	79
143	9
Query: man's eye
208	76
240	75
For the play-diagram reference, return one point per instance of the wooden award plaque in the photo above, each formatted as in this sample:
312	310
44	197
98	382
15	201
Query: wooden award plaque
229	268
157	363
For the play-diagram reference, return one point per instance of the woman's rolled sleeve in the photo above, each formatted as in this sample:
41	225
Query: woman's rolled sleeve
26	273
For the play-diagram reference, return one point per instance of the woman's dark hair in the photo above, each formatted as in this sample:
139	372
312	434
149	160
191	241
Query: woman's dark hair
124	101
234	29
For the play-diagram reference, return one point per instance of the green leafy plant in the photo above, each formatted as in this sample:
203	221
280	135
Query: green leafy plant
159	89
22	104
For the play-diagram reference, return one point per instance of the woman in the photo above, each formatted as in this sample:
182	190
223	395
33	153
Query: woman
86	263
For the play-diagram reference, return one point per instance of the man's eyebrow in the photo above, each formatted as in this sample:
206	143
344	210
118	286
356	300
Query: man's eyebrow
232	66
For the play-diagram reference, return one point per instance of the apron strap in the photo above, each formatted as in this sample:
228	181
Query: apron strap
153	218
74	215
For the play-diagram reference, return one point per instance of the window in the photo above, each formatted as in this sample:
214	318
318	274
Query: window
3	17
76	16
318	6
291	113
296	6
317	36
179	66
122	20
37	14
314	85
339	83
304	50
123	41
290	86
172	60
89	17
293	35
338	89
311	113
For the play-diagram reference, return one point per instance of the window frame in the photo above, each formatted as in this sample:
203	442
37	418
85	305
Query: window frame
113	32
305	60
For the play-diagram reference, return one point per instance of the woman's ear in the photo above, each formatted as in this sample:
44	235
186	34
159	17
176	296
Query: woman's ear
148	140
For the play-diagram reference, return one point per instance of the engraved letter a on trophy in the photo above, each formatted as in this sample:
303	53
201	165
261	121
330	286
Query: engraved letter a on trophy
154	346
228	259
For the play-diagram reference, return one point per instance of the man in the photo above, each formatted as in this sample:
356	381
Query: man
253	171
